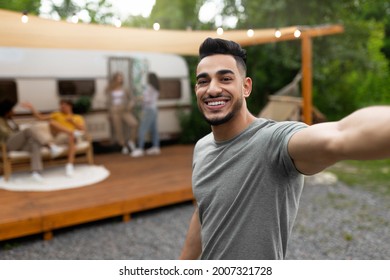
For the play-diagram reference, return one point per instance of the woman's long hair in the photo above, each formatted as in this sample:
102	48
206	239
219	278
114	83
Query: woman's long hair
153	80
114	81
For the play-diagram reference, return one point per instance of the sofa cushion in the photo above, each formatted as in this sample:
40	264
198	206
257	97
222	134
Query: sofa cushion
81	146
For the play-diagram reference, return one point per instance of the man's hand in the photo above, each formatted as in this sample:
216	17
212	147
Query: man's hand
27	105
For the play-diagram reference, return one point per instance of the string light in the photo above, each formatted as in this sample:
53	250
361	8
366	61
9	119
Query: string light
156	26
219	30
278	33
24	18
297	33
75	18
117	22
250	33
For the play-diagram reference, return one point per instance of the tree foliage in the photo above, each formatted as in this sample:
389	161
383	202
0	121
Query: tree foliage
30	6
98	11
66	9
170	14
348	69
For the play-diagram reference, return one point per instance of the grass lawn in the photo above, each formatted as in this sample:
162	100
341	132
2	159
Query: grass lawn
371	175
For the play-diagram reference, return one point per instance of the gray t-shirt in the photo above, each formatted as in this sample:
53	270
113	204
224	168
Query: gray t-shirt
247	190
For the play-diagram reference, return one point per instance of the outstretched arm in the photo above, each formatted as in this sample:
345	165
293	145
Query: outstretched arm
363	135
35	113
192	246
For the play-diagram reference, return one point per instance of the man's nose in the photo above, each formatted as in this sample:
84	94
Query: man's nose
214	88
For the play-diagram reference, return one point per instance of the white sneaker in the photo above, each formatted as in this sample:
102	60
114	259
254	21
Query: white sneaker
131	145
137	153
69	169
56	150
125	150
37	177
153	151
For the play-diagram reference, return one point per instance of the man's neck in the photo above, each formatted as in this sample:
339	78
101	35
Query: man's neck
233	127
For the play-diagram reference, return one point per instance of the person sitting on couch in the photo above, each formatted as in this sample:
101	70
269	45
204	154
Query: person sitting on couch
21	140
65	126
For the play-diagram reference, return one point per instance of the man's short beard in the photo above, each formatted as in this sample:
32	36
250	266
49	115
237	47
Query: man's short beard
219	121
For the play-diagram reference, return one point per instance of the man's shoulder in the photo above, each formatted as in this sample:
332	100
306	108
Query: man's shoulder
277	125
206	138
204	141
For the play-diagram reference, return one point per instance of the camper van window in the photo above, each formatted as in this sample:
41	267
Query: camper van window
76	87
170	89
8	90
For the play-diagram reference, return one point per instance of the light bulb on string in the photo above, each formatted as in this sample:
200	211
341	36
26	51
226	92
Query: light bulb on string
117	22
297	33
75	18
250	32
24	18
278	33
156	26
219	30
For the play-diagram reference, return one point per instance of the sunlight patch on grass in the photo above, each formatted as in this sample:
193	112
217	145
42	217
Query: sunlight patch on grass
372	175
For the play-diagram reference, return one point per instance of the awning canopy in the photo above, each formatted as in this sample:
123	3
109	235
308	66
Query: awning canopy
45	33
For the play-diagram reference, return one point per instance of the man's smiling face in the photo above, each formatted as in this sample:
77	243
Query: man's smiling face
220	88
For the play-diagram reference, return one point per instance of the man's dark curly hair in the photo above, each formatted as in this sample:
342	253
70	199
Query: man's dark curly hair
67	101
212	46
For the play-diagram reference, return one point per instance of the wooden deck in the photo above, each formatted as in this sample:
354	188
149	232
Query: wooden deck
134	185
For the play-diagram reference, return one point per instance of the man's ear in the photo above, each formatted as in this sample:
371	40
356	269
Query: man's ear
247	87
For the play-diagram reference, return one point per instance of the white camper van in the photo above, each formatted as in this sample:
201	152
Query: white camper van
44	76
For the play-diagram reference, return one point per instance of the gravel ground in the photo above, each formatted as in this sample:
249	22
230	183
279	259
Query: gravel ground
335	221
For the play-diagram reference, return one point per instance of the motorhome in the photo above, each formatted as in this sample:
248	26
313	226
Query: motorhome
44	76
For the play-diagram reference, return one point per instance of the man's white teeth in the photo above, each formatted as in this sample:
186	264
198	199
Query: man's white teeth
216	103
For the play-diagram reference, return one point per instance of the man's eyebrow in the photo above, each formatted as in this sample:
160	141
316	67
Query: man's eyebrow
201	75
225	71
219	72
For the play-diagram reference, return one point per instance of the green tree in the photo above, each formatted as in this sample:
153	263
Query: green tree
175	14
30	6
99	11
386	42
340	63
66	9
170	14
